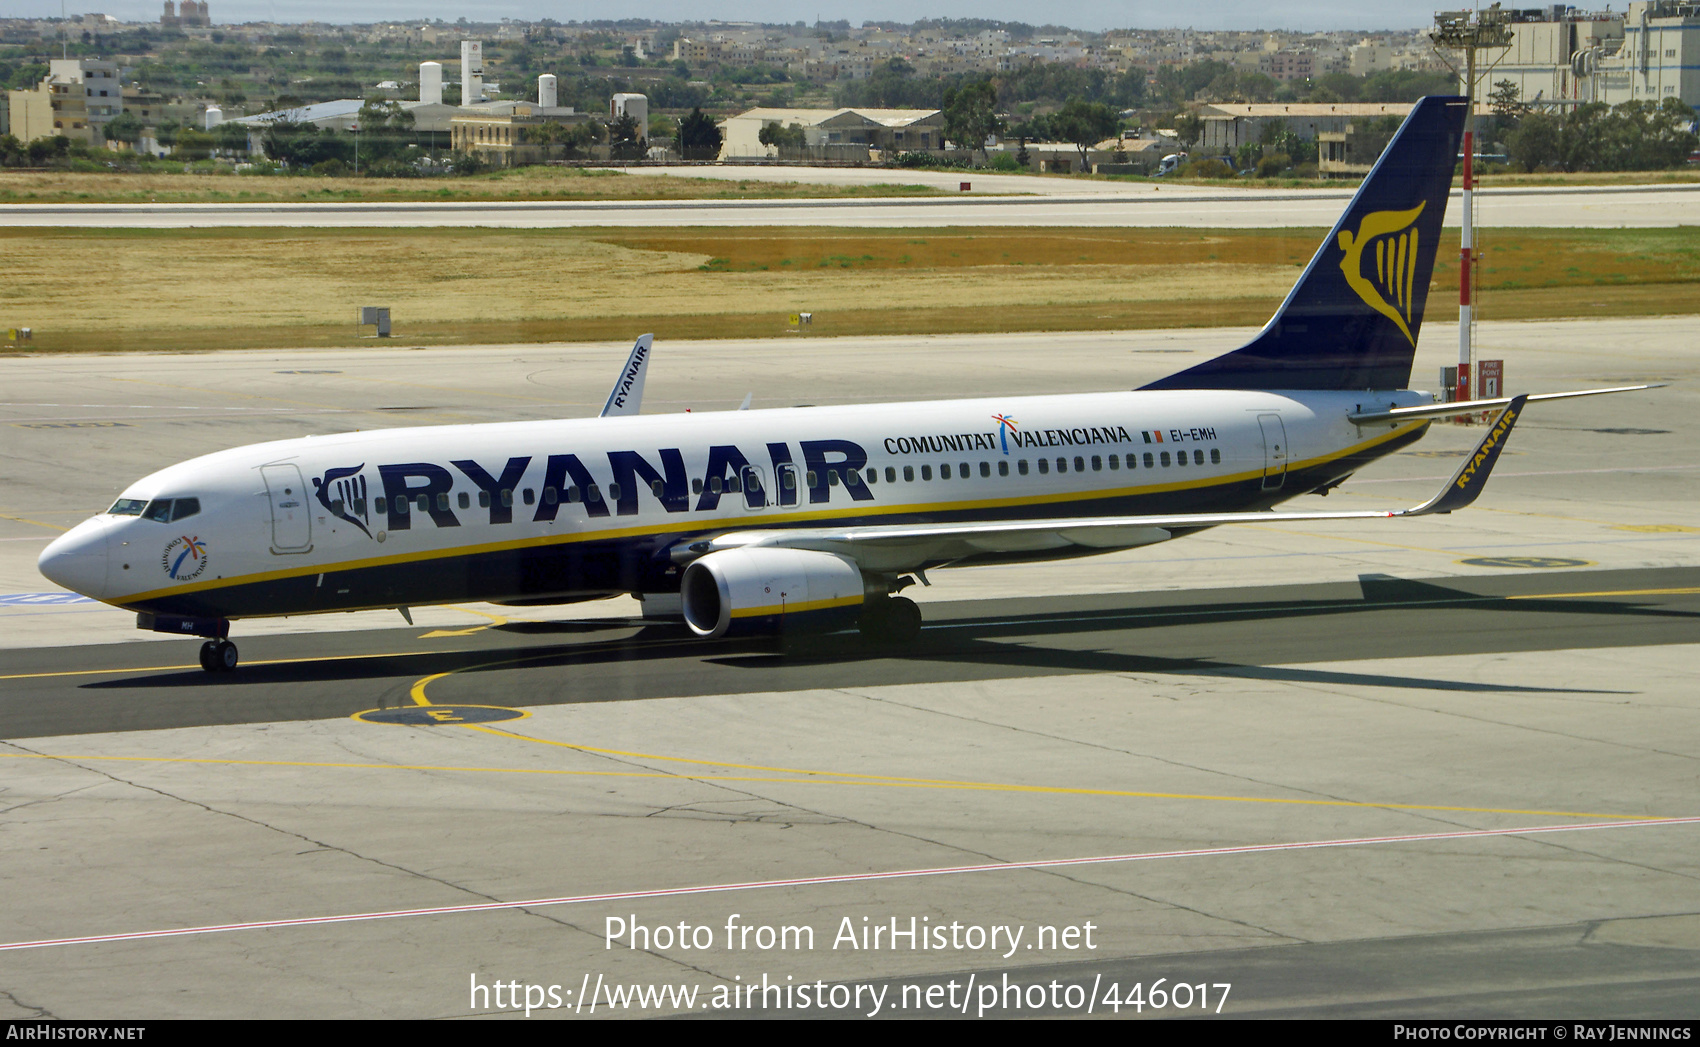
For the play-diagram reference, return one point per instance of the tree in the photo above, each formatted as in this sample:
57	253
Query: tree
1646	136
1534	142
193	144
970	114
626	138
1582	139
126	127
1085	124
1241	85
1189	129
1504	100
699	137
793	137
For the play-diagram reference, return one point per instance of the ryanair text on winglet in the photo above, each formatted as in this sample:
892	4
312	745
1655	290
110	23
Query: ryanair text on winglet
1485	450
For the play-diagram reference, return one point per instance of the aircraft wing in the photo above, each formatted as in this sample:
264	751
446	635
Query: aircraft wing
883	547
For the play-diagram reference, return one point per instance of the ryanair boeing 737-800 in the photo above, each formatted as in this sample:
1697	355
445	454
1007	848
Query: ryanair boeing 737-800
757	521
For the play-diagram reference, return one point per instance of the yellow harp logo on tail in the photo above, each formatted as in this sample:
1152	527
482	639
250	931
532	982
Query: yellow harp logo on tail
1388	287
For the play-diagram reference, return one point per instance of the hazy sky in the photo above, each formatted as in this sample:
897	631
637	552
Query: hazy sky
1139	14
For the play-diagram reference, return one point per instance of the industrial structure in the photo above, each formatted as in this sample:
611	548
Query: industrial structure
841	134
1229	125
1561	57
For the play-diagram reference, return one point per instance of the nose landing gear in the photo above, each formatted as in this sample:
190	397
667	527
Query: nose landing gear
218	656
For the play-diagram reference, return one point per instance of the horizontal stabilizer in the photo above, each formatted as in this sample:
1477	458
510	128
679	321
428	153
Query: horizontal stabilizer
1405	414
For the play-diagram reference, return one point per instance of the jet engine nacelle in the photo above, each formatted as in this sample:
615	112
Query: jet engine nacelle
740	592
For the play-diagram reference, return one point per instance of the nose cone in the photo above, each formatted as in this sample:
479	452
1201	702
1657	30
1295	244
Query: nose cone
78	559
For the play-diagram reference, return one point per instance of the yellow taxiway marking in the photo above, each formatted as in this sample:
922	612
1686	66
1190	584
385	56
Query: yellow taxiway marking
169	668
809	778
1609	592
890	781
37	523
495	620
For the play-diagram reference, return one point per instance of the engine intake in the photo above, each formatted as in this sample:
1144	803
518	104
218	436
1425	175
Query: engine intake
741	592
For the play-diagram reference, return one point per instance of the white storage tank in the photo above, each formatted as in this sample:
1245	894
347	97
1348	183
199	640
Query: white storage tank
431	82
546	90
215	116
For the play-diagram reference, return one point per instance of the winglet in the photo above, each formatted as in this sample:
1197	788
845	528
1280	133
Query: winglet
627	394
1472	476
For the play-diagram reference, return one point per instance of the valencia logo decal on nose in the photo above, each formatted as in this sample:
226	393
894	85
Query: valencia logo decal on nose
184	558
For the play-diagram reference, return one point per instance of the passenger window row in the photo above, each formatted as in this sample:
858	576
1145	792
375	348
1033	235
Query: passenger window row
729	485
1078	463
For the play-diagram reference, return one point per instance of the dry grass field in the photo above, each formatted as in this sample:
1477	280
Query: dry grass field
523	183
233	288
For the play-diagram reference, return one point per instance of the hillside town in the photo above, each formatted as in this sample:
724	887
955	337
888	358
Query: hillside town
421	97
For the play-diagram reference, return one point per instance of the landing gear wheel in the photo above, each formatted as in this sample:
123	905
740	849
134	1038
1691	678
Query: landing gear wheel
895	620
903	620
218	656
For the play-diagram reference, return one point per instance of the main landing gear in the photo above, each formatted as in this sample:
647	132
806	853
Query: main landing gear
218	656
890	620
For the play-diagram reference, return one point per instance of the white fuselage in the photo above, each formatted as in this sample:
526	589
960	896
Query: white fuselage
556	510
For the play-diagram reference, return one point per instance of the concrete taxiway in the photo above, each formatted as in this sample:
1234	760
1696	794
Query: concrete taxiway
1438	767
1124	205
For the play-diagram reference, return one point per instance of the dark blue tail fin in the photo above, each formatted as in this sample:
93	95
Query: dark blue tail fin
1351	321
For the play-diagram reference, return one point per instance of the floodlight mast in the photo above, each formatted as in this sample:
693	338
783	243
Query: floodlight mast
1469	32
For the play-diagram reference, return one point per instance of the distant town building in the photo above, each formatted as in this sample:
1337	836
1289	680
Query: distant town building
76	100
189	12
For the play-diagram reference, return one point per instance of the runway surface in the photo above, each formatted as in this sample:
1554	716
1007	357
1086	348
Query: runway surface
1130	206
1433	768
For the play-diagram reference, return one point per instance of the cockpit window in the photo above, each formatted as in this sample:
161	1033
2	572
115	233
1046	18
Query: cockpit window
127	507
164	510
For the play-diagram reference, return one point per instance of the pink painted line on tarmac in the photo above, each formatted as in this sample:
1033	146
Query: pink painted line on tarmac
811	881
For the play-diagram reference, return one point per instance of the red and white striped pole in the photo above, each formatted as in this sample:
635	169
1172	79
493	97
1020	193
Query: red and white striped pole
1466	243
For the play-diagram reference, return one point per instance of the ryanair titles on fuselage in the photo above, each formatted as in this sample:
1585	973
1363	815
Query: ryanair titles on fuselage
424	487
406	489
